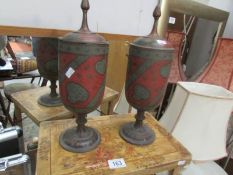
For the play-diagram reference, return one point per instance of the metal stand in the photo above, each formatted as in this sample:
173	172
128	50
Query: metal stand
137	133
81	138
52	99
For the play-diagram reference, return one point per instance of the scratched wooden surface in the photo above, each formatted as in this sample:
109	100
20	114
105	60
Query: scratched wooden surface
26	101
163	154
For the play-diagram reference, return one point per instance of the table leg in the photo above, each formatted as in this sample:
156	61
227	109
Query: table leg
107	108
176	171
110	108
5	112
18	116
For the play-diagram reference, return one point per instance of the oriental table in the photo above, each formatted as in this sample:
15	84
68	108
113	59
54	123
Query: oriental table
26	102
165	153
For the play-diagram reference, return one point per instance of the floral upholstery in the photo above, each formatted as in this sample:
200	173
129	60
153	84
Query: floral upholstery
220	70
176	73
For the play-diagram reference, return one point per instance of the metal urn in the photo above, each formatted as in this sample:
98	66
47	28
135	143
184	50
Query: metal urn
82	74
149	63
46	52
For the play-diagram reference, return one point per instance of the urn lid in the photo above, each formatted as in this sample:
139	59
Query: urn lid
153	40
84	35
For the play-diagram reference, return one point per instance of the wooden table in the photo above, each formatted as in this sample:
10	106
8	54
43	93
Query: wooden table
163	154
14	76
26	101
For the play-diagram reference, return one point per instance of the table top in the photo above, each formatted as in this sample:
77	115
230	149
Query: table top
19	76
165	153
27	102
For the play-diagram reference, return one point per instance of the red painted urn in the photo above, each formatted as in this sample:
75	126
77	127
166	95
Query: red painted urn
46	52
82	74
149	63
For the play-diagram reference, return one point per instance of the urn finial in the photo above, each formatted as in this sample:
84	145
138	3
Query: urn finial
85	7
156	15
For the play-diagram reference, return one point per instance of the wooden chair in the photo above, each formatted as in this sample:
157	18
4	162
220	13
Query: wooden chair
20	67
13	88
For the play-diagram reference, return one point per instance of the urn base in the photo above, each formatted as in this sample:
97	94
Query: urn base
137	135
80	142
48	100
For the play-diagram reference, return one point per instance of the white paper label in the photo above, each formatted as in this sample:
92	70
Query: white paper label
24	58
172	20
116	163
7	66
181	162
162	42
70	72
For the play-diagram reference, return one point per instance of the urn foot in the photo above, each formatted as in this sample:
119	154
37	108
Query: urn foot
48	100
80	142
137	135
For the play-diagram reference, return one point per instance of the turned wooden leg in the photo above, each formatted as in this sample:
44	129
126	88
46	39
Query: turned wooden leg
110	107
18	116
176	171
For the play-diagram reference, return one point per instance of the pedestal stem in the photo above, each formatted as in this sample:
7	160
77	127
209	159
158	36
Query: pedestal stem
81	120
139	119
136	132
53	87
51	99
80	138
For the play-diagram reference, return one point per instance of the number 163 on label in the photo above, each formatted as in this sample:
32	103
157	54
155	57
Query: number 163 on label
116	163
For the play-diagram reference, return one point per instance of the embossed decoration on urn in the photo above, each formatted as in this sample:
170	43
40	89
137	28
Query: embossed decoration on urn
46	52
82	90
82	76
149	63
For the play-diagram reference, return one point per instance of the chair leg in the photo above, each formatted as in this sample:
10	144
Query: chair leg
2	104
32	80
6	111
8	114
44	82
3	121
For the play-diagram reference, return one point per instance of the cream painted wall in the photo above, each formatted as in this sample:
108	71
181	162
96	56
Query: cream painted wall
133	17
203	1
227	6
224	5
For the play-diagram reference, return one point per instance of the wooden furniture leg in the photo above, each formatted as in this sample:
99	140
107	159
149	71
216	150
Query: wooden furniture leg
5	111
18	116
10	51
176	171
107	107
110	107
